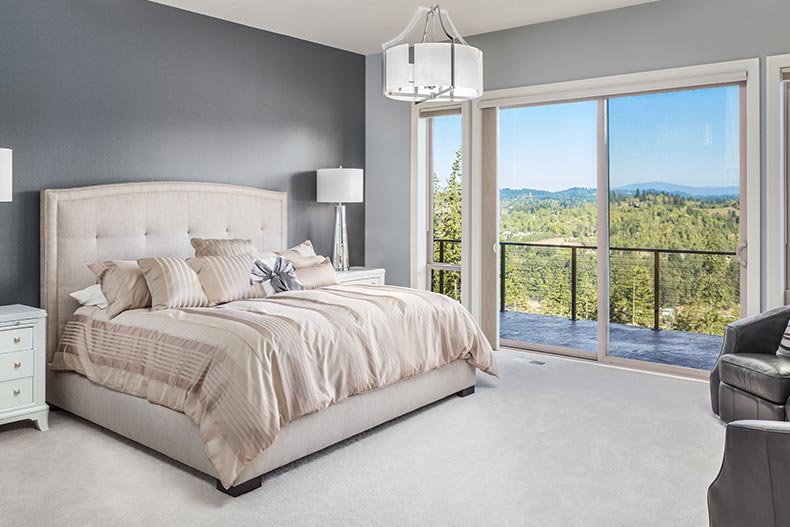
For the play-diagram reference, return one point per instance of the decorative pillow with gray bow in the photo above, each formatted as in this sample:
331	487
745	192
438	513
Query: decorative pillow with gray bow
279	273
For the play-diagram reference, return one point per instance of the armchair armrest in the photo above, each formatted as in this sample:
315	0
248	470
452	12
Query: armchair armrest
751	485
757	334
755	428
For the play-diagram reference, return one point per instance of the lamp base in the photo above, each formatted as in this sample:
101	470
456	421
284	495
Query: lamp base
340	250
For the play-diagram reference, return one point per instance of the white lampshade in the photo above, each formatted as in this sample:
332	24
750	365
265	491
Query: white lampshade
438	67
399	71
468	72
6	174
432	72
340	185
432	65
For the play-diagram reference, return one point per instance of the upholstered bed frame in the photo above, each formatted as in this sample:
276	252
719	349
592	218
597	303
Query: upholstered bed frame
136	220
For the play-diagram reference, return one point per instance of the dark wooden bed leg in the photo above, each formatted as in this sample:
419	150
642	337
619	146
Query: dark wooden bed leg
244	488
469	390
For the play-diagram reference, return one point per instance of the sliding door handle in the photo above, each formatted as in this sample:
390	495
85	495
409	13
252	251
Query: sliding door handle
741	254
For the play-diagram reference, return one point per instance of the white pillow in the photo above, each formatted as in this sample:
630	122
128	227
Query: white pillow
90	296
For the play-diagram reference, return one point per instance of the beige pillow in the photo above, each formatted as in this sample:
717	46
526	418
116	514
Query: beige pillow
122	284
227	278
319	275
217	247
305	261
303	249
173	283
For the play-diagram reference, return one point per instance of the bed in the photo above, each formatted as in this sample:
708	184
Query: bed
138	220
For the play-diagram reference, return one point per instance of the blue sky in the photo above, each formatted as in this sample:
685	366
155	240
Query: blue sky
687	138
446	142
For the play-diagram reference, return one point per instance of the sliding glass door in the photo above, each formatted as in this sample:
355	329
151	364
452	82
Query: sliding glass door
674	224
621	227
548	226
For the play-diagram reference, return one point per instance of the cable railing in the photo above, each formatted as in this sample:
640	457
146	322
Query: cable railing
448	273
653	258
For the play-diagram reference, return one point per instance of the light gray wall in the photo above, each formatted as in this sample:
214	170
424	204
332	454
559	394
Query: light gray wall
665	34
387	174
109	91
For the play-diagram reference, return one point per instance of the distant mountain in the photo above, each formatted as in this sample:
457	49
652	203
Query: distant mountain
588	194
684	190
575	194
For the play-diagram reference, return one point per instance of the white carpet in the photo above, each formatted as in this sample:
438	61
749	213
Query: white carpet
566	443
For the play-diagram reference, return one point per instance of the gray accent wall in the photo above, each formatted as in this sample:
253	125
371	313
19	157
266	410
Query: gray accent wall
665	34
111	91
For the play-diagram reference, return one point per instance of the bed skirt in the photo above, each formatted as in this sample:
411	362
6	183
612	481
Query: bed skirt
176	436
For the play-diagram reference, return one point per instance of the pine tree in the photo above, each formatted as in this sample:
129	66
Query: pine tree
447	226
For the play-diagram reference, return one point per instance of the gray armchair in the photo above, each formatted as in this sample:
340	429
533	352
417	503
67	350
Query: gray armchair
749	380
751	488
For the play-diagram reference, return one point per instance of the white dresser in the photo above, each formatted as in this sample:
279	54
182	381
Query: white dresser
22	365
361	275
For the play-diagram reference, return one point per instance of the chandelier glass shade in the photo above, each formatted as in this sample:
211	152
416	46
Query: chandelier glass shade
438	66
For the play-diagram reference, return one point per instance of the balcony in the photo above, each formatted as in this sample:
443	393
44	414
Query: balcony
659	306
667	346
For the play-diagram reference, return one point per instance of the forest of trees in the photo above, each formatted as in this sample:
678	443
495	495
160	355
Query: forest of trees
698	292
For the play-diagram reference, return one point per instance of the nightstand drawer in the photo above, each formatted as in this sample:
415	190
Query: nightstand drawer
363	281
361	276
16	339
17	365
18	392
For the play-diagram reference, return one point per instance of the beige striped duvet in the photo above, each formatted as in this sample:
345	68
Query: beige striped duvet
242	370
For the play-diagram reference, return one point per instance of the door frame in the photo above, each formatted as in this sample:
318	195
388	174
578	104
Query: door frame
741	71
776	158
420	208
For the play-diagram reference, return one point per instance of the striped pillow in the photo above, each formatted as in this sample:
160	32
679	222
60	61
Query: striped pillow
173	283
314	276
305	261
217	247
122	284
784	344
303	249
227	278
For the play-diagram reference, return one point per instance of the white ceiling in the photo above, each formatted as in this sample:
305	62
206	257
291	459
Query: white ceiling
362	25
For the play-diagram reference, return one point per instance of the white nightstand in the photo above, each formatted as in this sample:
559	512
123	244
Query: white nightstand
361	275
22	365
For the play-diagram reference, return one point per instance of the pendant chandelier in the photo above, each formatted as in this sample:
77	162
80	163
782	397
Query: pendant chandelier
436	66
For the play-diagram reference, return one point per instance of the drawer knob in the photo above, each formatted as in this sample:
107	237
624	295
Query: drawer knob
17	340
17	392
17	365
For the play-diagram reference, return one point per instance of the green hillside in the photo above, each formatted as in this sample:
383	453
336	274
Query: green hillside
697	293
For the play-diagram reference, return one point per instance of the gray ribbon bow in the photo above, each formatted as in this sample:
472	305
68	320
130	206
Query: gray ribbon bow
282	276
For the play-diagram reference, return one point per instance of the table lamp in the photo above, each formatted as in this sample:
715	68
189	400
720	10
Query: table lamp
340	185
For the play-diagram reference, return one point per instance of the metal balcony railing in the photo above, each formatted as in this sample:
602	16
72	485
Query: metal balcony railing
442	267
503	255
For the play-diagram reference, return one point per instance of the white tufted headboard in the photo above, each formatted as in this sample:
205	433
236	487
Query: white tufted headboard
137	220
